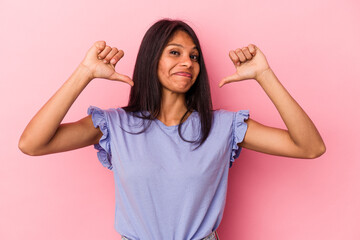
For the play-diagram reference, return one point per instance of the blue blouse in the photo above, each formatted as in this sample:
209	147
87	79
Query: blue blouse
164	188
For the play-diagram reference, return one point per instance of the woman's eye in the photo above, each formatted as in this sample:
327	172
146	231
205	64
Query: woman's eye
174	52
194	57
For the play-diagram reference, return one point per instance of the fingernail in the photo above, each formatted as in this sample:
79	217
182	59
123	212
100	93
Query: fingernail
104	61
112	61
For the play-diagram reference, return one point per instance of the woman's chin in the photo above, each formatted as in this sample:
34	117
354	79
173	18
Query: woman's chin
181	89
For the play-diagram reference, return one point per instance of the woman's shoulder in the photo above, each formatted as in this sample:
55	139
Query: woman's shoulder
110	113
223	115
228	112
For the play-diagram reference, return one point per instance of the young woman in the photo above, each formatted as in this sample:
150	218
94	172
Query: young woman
170	152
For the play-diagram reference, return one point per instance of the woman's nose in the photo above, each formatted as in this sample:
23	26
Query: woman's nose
186	61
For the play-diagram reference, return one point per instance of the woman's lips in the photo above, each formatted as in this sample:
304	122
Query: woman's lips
184	74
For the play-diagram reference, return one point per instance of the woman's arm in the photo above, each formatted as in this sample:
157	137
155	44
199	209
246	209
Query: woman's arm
44	134
301	139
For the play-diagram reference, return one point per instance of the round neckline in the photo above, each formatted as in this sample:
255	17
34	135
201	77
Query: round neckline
173	126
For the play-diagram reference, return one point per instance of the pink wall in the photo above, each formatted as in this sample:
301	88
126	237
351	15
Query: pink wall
313	47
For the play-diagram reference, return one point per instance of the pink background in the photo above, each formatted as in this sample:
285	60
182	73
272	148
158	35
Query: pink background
313	47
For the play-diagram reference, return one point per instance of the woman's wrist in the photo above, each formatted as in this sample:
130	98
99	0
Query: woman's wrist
85	72
264	75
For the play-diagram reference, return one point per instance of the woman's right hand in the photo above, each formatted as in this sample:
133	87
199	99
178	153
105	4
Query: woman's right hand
101	60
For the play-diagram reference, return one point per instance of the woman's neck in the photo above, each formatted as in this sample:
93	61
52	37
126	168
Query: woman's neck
172	108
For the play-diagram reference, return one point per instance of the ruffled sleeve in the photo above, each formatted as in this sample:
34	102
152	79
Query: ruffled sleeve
99	120
239	130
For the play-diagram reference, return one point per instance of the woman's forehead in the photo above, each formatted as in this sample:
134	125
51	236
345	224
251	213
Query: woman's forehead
181	39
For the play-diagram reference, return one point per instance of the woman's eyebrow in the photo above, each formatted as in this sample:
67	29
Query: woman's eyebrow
179	45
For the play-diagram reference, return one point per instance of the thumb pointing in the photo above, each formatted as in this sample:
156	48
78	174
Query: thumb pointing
228	79
123	78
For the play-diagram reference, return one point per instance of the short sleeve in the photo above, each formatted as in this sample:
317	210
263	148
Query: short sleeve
238	131
104	151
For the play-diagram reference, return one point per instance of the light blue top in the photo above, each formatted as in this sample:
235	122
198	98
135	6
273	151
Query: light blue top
164	189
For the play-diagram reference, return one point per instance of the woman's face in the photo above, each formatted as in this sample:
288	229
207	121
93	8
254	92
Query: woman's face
178	66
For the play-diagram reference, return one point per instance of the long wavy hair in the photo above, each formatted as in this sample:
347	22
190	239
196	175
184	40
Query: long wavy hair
146	94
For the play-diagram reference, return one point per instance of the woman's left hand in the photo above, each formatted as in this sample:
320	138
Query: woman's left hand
249	62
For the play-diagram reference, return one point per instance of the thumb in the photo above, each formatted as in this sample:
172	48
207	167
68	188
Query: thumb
123	78
229	79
